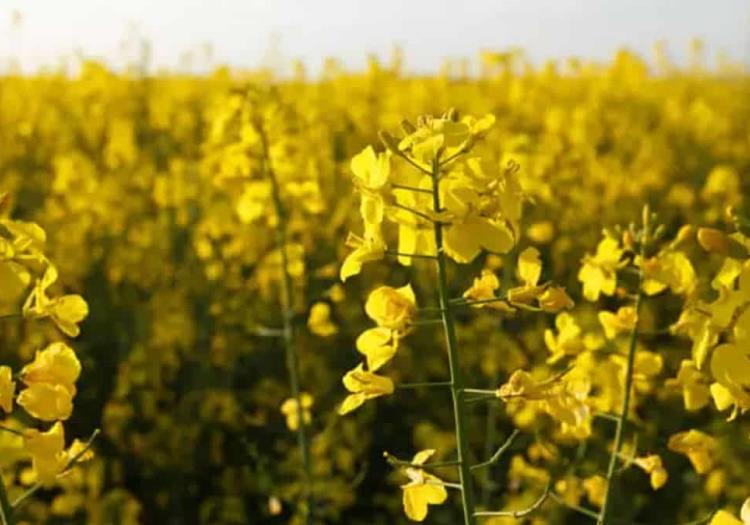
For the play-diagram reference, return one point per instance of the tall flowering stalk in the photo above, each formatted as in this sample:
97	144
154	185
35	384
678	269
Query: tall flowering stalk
299	417
49	381
643	239
447	204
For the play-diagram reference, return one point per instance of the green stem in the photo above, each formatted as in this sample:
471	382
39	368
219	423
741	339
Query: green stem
456	376
498	453
577	508
427	384
622	417
6	511
292	358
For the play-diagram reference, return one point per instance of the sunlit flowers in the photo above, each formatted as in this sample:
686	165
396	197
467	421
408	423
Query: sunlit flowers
599	272
292	408
698	446
50	383
49	456
392	308
363	385
652	465
423	489
66	311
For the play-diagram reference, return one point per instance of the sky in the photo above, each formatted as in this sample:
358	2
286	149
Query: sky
248	33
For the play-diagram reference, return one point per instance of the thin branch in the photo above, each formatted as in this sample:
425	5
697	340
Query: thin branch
421	322
411	161
577	508
480	398
414	255
518	513
606	415
427	384
410	188
408	464
480	391
413	211
498	453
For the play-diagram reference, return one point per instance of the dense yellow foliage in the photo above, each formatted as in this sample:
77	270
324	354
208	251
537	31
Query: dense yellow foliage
223	251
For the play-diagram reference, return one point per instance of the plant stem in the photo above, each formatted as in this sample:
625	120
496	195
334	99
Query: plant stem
6	511
622	417
456	376
287	300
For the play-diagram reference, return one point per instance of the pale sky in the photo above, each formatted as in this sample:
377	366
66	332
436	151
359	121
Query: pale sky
251	32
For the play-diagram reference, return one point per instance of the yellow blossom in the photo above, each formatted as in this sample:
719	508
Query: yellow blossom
599	272
697	446
378	345
653	466
290	411
423	489
47	401
319	321
392	308
695	389
622	321
567	341
596	489
66	311
363	385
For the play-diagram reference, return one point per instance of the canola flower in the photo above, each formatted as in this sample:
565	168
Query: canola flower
49	381
157	210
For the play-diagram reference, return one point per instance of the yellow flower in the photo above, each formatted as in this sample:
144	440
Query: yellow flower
363	385
392	308
368	249
289	409
7	389
623	321
56	364
465	239
319	321
50	383
730	367
599	273
378	345
668	269
568	340
725	518
653	466
47	401
47	452
65	311
528	271
371	170
423	489
541	232
563	398
697	446
483	289
695	390
48	455
596	489
555	299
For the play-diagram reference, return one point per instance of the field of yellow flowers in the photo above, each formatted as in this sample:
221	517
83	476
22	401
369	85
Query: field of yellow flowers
373	298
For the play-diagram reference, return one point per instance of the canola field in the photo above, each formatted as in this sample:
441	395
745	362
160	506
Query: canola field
375	298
